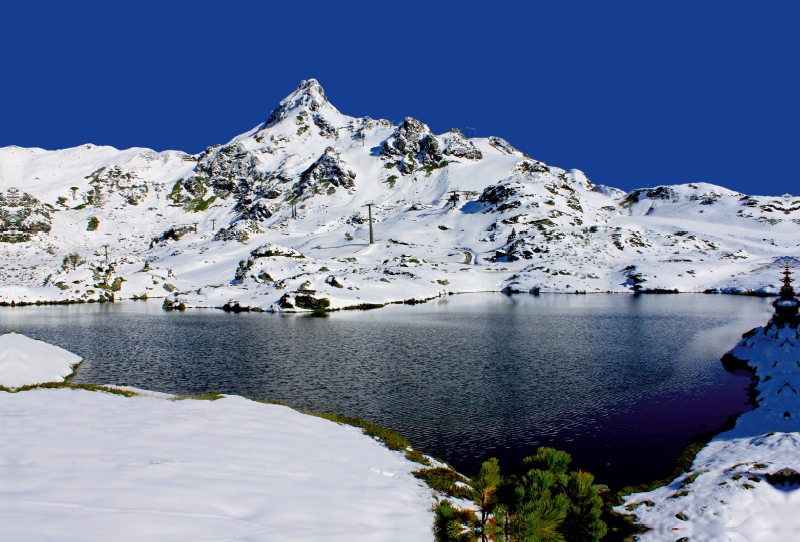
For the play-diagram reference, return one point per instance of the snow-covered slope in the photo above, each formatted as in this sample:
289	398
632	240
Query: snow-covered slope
219	228
743	486
81	465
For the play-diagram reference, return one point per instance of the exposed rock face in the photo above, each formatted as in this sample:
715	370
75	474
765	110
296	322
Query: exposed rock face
24	213
328	167
326	128
258	211
522	249
529	166
461	147
231	169
502	145
413	140
117	179
502	196
308	95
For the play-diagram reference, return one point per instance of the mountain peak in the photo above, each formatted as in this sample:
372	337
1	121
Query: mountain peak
309	96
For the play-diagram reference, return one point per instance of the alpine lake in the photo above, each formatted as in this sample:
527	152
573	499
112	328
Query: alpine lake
621	382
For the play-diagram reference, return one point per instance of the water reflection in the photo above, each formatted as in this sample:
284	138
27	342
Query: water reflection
621	382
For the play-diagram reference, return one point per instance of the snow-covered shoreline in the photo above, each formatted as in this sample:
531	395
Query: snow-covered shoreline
97	463
743	485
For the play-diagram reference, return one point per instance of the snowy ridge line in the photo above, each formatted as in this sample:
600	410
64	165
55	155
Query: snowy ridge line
743	486
281	208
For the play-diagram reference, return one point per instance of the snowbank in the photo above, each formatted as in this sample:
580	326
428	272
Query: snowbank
25	361
87	465
743	485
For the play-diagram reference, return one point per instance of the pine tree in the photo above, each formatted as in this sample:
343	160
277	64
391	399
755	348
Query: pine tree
485	486
582	523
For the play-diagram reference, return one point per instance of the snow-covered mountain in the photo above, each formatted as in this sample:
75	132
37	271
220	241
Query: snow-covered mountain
450	213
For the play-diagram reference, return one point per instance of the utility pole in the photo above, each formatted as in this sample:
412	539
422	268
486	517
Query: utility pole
195	226
454	197
213	224
294	209
369	205
106	247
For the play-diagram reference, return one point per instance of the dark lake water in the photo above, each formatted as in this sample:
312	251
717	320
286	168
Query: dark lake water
622	382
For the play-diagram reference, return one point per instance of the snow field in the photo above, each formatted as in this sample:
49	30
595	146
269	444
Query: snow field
80	465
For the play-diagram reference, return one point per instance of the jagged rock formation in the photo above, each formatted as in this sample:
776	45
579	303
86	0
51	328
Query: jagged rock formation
461	147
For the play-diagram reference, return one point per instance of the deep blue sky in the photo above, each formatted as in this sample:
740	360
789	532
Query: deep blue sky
633	93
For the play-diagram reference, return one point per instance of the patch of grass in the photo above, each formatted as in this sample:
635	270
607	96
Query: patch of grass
417	457
93	223
392	440
444	480
57	385
391	180
444	282
692	477
208	396
200	204
431	167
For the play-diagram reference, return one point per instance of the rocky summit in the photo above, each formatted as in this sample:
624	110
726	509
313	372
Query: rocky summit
277	219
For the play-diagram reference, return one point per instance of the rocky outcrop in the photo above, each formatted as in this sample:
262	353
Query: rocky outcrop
23	214
269	250
461	147
502	145
501	196
529	166
231	169
328	168
414	141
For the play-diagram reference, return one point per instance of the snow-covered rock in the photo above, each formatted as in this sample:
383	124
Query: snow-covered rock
26	362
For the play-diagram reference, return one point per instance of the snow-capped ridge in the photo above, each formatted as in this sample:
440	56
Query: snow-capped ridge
479	215
309	97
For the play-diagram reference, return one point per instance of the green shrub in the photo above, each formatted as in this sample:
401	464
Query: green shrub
93	223
443	480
